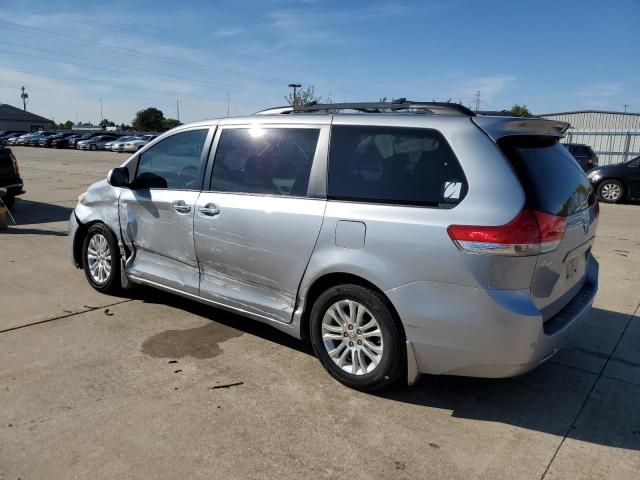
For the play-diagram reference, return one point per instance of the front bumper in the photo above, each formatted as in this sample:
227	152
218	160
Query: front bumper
458	330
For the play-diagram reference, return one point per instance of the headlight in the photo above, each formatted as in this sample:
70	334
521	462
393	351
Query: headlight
595	176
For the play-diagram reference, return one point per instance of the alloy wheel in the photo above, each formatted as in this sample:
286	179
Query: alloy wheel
352	337
99	258
611	192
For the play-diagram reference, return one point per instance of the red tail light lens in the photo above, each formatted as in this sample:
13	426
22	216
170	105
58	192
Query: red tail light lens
530	233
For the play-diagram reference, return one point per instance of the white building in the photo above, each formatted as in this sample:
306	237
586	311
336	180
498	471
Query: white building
614	136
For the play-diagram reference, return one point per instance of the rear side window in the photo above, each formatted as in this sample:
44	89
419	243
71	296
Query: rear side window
412	166
552	179
270	161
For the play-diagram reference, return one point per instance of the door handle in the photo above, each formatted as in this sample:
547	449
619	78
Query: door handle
209	210
179	206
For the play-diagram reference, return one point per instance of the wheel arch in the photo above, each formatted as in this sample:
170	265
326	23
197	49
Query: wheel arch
328	280
78	239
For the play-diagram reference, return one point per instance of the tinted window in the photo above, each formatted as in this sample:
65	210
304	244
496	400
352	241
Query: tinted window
394	165
552	179
275	161
174	162
581	151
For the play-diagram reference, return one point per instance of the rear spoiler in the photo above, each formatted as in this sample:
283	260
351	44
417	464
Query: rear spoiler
498	127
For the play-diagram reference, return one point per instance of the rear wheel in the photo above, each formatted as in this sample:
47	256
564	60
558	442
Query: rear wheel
93	147
101	259
611	191
356	338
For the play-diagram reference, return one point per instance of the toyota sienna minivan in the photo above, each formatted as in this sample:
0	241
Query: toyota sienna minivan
399	238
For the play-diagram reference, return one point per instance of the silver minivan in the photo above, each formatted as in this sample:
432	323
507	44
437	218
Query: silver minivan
399	238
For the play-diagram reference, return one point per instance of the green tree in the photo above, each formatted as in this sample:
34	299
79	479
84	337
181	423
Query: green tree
521	111
68	125
170	123
105	122
304	96
149	119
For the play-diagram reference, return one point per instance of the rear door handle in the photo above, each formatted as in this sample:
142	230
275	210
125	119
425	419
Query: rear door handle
209	210
179	206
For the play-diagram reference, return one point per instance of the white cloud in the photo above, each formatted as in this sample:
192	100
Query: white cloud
229	32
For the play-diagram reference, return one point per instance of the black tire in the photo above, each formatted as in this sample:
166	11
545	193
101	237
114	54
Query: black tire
111	284
607	186
9	201
93	148
391	365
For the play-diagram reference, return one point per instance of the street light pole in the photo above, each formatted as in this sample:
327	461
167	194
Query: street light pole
294	86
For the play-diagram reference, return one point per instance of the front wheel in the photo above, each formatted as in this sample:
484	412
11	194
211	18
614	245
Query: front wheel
93	148
101	259
611	191
356	338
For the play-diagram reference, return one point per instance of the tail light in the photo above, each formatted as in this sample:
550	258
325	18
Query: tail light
530	233
15	163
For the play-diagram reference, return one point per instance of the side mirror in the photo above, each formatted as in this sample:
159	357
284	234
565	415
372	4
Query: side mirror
118	177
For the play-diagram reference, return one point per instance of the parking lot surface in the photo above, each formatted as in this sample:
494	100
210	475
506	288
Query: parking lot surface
154	386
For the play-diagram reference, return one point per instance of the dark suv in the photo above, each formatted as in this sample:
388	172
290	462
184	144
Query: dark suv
10	182
584	154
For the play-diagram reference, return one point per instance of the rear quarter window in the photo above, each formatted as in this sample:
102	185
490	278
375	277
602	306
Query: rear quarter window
394	165
552	179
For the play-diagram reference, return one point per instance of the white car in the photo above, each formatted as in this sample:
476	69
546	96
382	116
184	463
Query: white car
138	143
118	144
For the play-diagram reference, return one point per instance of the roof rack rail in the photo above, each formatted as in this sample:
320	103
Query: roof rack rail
400	104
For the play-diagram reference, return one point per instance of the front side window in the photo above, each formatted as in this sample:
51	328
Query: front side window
174	163
395	165
271	161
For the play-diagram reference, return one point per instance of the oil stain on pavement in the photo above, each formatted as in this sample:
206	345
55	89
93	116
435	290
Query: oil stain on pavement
199	342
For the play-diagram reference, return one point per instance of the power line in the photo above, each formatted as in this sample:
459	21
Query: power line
49	34
121	71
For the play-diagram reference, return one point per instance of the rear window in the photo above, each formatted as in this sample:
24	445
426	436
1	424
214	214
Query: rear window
394	165
553	181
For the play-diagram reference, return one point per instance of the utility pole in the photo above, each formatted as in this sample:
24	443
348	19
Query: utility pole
178	110
228	97
476	98
101	117
295	86
24	95
626	105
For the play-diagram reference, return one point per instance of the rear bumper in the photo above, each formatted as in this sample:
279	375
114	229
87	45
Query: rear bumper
467	331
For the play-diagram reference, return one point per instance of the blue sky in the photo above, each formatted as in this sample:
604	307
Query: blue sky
550	55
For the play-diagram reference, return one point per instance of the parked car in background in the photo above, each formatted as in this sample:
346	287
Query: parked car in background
11	184
118	143
618	182
73	142
138	143
584	154
63	141
367	234
8	136
95	143
47	141
23	139
34	141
